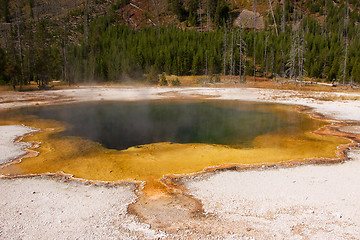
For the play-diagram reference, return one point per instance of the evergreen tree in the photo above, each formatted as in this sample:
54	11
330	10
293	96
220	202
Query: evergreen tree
152	76
221	13
175	82
328	49
193	9
355	73
3	65
163	81
4	10
179	9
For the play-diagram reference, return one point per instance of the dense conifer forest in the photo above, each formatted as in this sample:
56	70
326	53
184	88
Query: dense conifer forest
300	39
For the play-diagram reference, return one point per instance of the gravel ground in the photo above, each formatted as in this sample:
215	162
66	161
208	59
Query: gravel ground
51	208
9	148
307	202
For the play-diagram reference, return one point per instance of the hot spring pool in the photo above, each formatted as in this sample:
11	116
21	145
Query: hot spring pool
149	139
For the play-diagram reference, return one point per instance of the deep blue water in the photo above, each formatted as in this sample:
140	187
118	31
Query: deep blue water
120	125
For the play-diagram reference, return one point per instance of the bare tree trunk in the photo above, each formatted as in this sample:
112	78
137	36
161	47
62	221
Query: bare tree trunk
6	41
283	67
240	52
292	59
301	56
283	29
265	55
157	16
225	51
20	50
283	17
64	43
86	25
231	55
254	8
200	17
272	13
272	59
307	23
293	51
66	78
299	50
339	20
206	69
245	70
14	79
294	46
208	16
346	41
325	16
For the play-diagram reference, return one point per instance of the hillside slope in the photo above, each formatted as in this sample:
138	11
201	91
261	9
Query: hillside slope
104	40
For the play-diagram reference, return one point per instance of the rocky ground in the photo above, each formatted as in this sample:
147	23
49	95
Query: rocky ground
304	202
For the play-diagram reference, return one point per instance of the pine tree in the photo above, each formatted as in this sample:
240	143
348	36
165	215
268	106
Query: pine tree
193	9
163	81
152	76
355	73
4	10
3	68
179	9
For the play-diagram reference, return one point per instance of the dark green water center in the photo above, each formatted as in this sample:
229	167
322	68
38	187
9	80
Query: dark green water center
120	125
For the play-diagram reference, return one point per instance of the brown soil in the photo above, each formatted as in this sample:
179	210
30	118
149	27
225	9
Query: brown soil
170	212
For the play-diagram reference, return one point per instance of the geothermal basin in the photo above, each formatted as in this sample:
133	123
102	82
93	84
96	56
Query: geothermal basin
279	183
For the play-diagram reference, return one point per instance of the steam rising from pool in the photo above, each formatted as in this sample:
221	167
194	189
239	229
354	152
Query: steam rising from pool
120	125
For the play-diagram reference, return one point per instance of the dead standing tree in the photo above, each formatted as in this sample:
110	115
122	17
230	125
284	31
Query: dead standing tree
231	55
254	8
291	63
301	58
272	13
346	21
265	70
20	47
157	13
225	50
283	17
241	52
64	38
86	25
296	59
200	15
